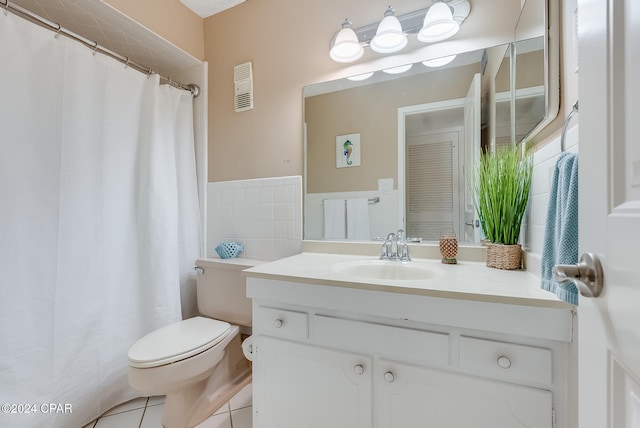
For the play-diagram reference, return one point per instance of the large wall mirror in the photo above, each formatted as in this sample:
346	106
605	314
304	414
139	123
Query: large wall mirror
393	151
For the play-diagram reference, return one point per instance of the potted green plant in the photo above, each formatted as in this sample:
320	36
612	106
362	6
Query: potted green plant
501	186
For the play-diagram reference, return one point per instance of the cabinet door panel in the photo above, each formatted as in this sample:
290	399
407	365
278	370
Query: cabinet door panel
414	397
298	386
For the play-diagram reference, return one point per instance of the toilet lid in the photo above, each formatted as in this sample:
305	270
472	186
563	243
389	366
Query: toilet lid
177	341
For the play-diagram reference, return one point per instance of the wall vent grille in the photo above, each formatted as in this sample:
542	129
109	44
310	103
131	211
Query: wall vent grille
243	81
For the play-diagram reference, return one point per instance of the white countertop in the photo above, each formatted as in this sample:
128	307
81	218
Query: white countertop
465	280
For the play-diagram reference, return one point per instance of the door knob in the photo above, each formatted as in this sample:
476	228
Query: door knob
587	275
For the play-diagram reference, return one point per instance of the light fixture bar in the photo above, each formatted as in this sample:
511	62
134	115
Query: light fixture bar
411	24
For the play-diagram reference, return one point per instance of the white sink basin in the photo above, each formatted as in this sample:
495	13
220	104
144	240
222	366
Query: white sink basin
388	270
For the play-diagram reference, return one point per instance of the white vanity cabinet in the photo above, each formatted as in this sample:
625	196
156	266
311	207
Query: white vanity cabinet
299	385
330	356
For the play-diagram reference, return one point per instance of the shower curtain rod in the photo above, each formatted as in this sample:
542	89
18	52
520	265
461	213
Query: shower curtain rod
58	29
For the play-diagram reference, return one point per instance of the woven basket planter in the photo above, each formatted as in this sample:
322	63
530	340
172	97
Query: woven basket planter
502	256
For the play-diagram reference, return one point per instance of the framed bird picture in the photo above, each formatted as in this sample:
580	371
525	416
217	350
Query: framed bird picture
347	150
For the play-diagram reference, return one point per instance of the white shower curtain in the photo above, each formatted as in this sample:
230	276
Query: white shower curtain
98	223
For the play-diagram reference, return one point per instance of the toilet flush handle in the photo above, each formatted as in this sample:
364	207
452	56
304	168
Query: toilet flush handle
198	270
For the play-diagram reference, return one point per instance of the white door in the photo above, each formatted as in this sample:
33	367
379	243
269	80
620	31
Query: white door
432	189
471	156
609	145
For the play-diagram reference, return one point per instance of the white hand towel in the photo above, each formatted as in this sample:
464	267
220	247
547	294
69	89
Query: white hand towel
334	219
358	219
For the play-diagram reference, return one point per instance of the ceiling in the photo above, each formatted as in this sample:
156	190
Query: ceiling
206	8
99	22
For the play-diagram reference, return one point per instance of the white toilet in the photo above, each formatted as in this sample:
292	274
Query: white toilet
198	363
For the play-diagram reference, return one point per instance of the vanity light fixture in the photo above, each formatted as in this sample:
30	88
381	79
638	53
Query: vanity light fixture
438	23
346	47
389	36
439	62
360	77
398	70
461	9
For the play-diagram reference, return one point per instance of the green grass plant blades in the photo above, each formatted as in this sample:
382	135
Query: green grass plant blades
501	185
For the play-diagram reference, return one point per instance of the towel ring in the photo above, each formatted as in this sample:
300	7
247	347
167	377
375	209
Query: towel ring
574	110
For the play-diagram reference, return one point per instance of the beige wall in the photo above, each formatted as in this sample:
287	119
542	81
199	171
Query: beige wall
288	44
168	18
372	111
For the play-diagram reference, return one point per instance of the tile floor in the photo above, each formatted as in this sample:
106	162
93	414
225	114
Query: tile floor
146	412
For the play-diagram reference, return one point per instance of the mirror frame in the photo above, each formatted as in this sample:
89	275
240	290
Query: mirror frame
551	67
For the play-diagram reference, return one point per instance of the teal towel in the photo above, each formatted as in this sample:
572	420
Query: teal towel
561	231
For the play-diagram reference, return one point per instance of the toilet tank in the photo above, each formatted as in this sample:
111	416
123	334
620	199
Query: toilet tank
221	289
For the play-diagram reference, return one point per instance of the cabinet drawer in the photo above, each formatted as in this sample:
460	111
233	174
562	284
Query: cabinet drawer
408	344
281	322
504	360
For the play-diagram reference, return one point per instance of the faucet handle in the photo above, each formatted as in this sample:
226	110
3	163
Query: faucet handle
405	252
401	239
384	252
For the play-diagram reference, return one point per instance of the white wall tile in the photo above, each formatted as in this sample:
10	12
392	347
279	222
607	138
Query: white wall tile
251	196
265	195
257	213
265	212
538	209
265	249
280	211
265	230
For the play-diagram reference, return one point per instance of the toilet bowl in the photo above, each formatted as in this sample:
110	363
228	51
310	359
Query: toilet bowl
198	363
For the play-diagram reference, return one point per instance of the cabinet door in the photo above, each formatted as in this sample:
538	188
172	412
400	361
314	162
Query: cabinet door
412	397
298	386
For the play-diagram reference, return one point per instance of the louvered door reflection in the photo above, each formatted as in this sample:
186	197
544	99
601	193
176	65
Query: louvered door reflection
432	185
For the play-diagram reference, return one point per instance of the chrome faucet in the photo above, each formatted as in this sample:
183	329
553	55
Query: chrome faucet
389	249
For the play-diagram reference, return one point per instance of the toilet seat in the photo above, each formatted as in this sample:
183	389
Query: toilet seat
177	341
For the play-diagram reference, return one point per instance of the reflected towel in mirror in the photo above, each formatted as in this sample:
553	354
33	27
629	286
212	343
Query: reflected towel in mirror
334	219
358	218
